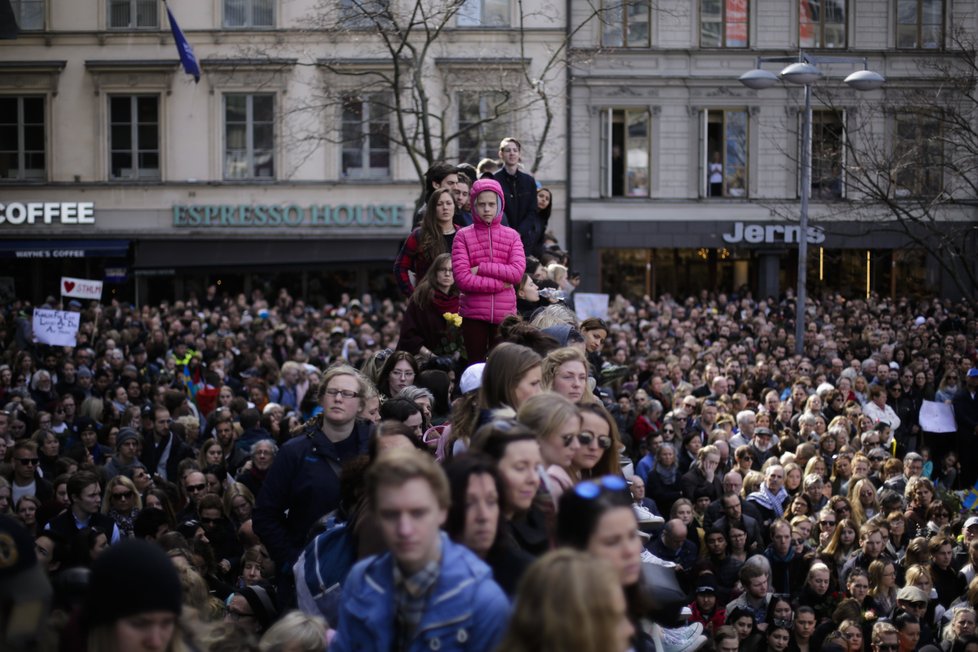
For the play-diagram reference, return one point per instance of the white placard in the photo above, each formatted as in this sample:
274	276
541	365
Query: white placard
80	288
591	305
55	327
937	417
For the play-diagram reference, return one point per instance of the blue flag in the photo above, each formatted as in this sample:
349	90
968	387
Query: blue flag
187	57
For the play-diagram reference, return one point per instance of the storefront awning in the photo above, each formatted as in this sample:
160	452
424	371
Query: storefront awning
55	249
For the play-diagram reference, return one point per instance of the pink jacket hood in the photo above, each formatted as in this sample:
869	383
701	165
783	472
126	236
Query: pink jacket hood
492	185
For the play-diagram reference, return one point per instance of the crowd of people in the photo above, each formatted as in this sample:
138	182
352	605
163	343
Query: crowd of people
474	467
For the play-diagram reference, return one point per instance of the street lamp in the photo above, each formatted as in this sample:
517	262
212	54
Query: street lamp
803	71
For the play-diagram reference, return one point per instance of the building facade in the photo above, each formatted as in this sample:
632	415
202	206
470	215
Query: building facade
682	179
294	162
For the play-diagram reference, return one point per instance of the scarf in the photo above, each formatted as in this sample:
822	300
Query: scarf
667	475
773	502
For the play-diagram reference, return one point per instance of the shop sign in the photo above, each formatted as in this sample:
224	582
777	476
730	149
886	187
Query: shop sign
82	212
771	234
247	216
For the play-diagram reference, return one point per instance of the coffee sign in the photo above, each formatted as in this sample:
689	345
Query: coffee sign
772	234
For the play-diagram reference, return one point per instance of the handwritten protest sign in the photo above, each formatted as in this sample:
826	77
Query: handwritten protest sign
55	327
80	288
590	305
937	417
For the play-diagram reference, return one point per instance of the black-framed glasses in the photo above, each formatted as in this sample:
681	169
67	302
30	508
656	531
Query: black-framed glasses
194	488
585	437
332	392
591	489
888	647
28	461
123	495
827	523
210	521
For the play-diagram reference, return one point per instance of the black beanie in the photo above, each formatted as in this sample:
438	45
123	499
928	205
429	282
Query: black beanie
132	577
262	603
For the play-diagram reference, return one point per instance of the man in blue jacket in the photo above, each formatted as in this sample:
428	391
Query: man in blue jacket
427	593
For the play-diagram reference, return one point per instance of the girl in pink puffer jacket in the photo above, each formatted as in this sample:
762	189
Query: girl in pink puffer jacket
488	261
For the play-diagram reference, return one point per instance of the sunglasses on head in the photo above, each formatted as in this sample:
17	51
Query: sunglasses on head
591	489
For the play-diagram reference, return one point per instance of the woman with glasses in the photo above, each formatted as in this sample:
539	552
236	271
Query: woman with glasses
122	503
897	535
744	460
303	483
398	372
558	426
938	519
600	443
852	632
425	330
865	502
948	386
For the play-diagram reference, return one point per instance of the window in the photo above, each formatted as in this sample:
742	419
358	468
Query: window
29	14
483	121
723	23
828	150
822	23
133	14
366	137
249	13
725	158
22	138
249	136
626	24
364	14
920	24
483	13
625	152
134	137
918	157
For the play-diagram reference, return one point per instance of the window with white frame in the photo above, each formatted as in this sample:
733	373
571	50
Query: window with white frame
625	23
917	162
822	23
249	136
483	13
133	14
724	23
920	24
134	136
249	13
828	155
725	153
626	152
29	14
484	120
22	150
366	127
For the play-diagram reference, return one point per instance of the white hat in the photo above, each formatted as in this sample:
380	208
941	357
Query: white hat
471	378
919	321
970	522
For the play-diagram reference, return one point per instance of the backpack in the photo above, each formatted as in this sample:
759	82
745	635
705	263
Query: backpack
322	568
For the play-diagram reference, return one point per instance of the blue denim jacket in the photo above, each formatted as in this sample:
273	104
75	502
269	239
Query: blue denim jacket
466	610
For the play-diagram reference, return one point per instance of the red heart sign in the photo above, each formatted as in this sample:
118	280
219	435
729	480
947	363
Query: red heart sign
69	286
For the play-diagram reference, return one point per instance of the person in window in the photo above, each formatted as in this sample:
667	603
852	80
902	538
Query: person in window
715	176
520	190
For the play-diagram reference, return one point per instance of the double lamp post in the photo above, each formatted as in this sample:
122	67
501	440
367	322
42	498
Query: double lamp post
803	71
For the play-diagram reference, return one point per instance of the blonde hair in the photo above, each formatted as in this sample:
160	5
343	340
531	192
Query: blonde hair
304	632
137	500
545	413
555	360
565	586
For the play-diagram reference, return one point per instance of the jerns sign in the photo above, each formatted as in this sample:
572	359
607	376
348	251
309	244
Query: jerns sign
772	234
